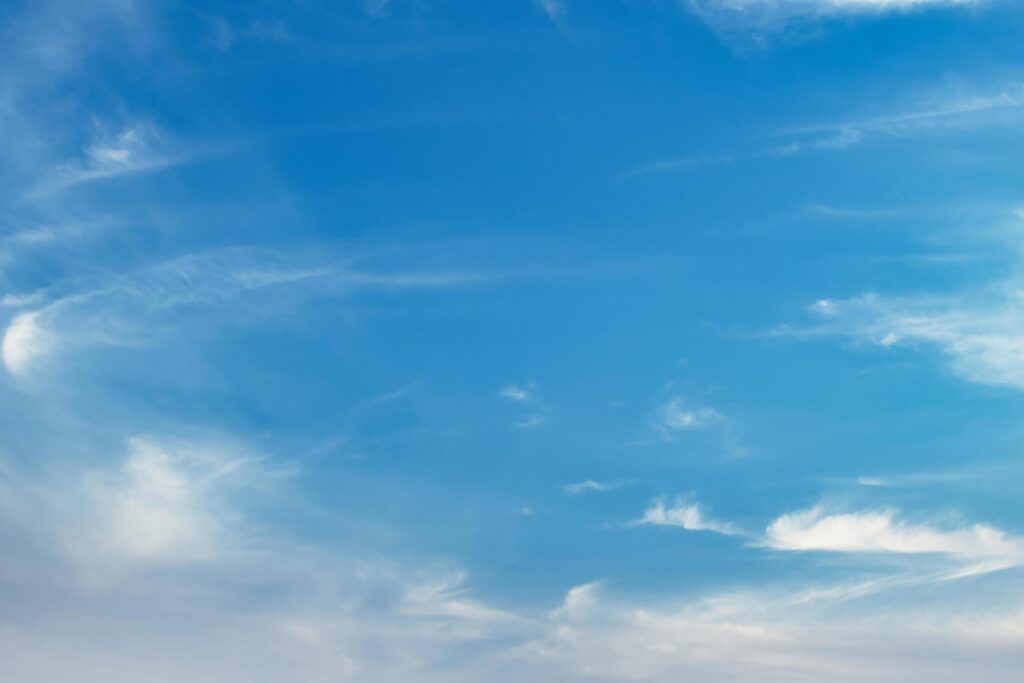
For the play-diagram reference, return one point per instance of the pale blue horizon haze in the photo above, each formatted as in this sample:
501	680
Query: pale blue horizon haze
525	341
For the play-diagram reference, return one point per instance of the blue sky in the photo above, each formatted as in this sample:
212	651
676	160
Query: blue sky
427	340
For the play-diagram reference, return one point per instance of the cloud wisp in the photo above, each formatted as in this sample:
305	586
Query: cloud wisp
170	520
684	515
679	415
752	21
943	111
114	312
591	486
980	333
538	412
136	149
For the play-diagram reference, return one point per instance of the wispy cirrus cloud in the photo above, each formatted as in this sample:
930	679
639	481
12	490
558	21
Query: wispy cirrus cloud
526	395
130	309
750	20
516	393
591	486
446	597
942	110
678	414
976	330
684	515
979	333
137	148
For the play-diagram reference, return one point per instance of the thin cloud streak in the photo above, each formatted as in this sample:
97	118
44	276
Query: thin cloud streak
950	112
591	486
210	279
684	515
746	22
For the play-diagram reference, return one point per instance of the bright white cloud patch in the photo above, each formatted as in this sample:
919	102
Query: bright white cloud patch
683	515
580	602
24	341
164	505
981	335
883	532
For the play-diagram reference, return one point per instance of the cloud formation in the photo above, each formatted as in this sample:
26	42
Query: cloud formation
23	342
981	334
883	532
127	309
679	415
731	17
591	486
683	515
526	396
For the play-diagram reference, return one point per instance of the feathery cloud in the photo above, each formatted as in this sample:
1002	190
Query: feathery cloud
945	109
678	415
526	396
591	486
981	334
754	18
114	312
684	515
514	392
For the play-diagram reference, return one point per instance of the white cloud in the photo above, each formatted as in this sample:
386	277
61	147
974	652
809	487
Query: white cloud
157	508
514	392
137	148
24	341
981	334
883	532
812	633
526	396
948	108
158	554
684	515
580	602
131	309
187	611
677	415
166	503
445	597
532	421
873	481
590	485
554	9
760	16
843	138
